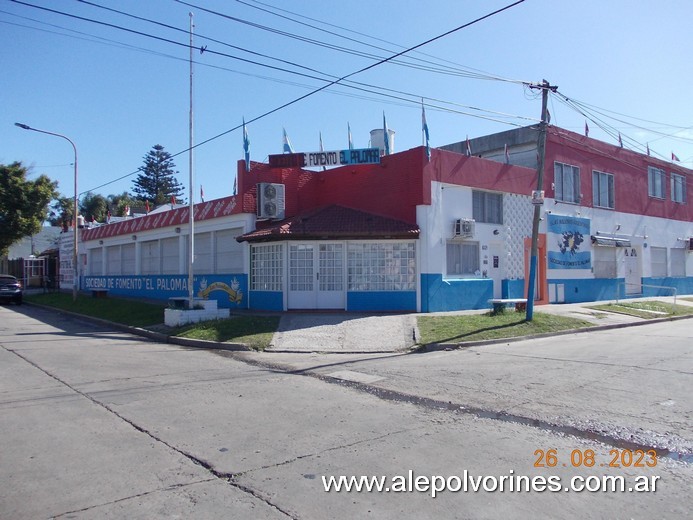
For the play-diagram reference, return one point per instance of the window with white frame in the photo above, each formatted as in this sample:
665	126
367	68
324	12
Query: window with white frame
128	262
229	252
203	254
566	180
150	258
678	261
604	262
603	189
266	267
487	207
658	261
170	258
462	258
656	179
96	261
114	262
678	188
381	266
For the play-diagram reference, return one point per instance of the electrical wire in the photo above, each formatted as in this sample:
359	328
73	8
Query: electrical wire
481	74
320	89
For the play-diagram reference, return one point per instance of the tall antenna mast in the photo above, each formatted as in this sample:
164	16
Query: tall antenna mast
191	249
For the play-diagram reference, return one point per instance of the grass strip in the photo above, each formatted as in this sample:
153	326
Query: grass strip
254	331
478	327
128	312
648	309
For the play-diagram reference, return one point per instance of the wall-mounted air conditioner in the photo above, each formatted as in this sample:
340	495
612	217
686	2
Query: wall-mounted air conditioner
463	228
270	200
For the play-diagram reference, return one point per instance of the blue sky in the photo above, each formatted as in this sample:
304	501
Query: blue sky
117	93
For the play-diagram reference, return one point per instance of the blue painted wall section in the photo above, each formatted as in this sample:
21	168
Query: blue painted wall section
577	291
682	286
267	300
513	288
438	295
382	301
230	290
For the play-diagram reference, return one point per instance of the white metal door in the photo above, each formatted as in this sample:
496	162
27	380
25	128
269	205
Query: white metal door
493	265
316	276
633	271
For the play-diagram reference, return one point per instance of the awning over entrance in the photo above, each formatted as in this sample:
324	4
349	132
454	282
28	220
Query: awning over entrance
333	223
610	241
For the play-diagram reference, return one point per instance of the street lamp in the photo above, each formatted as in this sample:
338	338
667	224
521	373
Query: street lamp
74	217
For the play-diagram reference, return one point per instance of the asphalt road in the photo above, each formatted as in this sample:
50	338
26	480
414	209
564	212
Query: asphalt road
101	424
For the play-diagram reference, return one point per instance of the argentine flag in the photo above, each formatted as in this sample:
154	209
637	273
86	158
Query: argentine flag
246	147
424	129
287	144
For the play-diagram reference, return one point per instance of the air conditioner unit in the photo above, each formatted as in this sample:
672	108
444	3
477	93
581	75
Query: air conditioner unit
463	228
270	200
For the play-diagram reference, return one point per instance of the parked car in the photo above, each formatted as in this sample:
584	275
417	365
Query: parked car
10	289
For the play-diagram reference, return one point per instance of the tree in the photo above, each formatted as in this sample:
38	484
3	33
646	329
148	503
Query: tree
23	203
118	203
94	207
157	182
61	212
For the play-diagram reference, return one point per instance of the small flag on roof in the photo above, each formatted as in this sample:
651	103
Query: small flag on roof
287	144
246	147
424	129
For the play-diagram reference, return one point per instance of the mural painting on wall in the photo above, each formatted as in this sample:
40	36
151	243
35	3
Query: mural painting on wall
566	241
234	290
228	290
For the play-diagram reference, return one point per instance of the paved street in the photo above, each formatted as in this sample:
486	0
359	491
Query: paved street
101	424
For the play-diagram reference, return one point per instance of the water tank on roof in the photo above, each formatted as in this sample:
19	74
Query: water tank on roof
377	140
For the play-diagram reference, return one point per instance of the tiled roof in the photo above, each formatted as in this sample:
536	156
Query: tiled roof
333	222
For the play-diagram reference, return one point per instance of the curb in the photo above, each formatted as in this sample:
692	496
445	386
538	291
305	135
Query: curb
421	349
150	334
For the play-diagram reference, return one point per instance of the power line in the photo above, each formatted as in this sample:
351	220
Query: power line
320	89
479	74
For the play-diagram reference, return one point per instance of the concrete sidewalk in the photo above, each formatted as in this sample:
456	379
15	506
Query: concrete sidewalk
357	333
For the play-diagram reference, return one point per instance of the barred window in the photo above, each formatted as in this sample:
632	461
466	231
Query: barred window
381	266
266	266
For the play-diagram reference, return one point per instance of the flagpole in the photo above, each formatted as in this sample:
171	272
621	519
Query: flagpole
191	219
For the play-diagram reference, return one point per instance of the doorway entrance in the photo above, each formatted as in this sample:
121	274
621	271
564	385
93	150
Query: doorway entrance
316	276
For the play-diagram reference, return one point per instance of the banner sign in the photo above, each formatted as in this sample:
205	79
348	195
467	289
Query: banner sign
568	235
229	290
332	158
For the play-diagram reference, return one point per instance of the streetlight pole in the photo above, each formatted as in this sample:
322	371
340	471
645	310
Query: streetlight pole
75	209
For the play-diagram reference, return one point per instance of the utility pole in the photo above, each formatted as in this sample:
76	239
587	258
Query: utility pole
538	199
